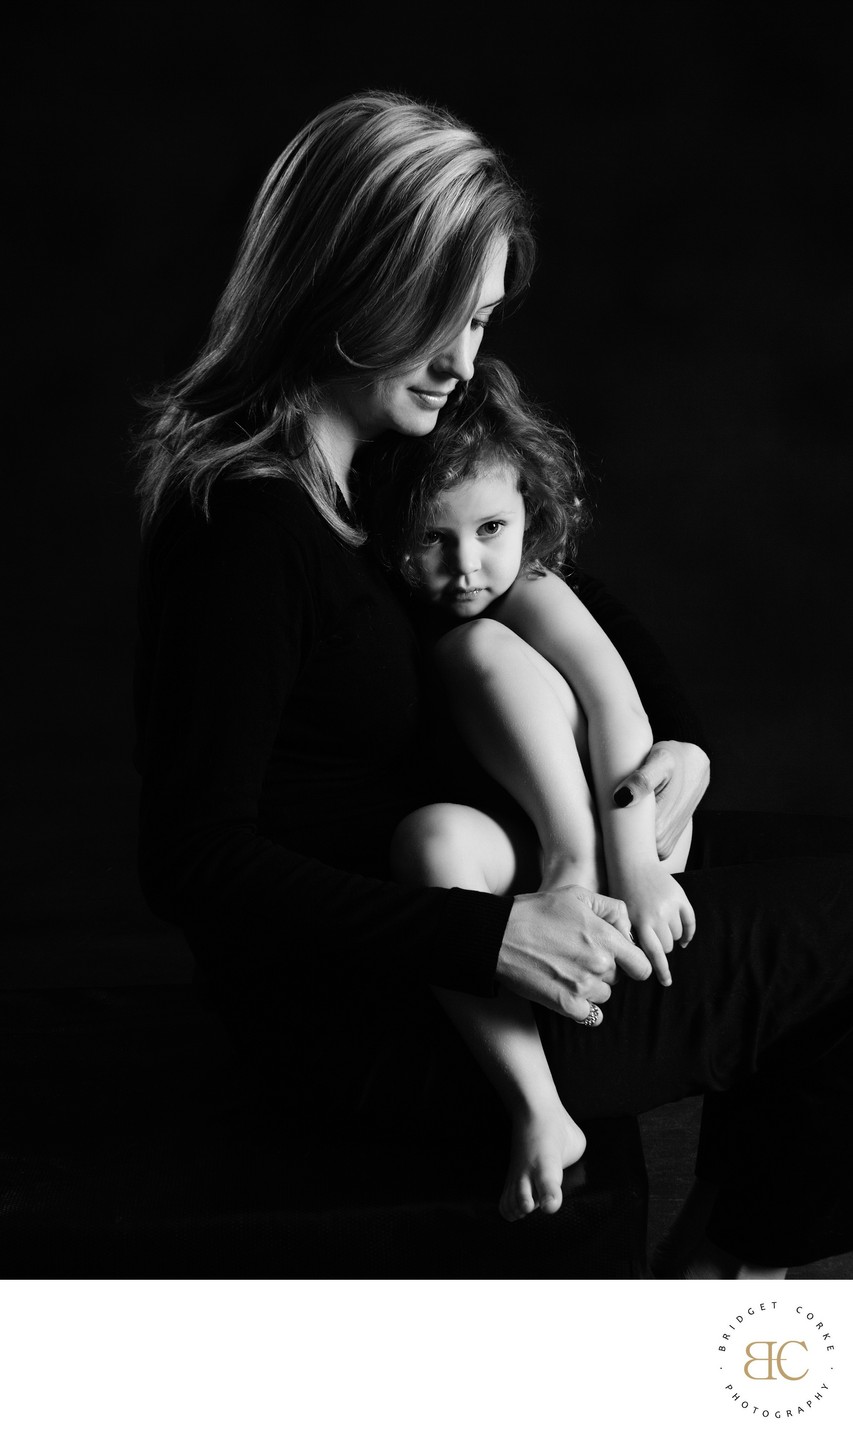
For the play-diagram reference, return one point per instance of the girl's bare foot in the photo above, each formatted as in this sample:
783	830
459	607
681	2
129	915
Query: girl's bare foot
543	1144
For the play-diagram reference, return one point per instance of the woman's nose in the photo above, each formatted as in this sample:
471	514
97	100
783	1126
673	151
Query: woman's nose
457	357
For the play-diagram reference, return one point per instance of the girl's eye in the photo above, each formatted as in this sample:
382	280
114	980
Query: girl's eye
491	527
430	538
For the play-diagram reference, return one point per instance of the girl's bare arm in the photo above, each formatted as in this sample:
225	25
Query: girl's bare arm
549	616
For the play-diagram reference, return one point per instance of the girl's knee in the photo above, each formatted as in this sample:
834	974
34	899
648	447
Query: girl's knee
448	845
423	836
486	651
478	644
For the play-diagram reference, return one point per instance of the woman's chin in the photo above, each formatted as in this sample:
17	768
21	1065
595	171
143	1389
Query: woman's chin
416	424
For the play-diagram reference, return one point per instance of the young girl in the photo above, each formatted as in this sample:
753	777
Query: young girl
479	517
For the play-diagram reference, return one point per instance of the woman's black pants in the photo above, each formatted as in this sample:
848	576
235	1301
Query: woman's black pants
759	1018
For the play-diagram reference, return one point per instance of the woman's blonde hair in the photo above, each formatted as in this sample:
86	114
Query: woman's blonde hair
363	254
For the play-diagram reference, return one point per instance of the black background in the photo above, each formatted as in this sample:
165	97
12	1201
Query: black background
690	319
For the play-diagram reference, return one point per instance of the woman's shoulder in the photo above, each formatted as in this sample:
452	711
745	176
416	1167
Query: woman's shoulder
260	535
278	499
264	512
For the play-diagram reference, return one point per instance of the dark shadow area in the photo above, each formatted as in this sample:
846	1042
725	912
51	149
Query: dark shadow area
134	1145
669	1136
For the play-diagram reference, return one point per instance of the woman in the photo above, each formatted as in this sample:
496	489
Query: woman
280	705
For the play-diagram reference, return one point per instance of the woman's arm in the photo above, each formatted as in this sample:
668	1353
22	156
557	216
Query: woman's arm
548	616
229	622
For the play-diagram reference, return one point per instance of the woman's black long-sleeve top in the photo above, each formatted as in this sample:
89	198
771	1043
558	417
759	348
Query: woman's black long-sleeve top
279	704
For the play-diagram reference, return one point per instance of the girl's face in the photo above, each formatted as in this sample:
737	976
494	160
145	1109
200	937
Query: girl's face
410	403
471	553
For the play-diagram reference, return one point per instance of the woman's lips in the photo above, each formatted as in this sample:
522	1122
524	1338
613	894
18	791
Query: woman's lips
430	398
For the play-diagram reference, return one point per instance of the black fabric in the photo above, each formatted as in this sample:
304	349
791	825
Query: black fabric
280	741
670	713
135	1146
760	1018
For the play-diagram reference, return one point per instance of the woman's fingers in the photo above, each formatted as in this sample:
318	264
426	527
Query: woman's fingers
677	773
593	1018
560	950
620	939
614	912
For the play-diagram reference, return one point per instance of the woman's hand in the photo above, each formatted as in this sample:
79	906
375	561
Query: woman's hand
562	949
677	774
661	915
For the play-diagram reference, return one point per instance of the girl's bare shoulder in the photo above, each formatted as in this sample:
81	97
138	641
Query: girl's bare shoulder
535	596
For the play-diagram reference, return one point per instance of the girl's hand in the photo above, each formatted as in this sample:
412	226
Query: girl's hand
661	915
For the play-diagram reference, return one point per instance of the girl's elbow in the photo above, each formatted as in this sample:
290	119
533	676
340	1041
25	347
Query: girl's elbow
641	718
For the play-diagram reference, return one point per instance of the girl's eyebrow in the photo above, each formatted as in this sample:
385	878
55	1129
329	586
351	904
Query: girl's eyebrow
432	527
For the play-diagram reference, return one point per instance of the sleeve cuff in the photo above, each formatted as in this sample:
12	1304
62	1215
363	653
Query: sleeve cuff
468	942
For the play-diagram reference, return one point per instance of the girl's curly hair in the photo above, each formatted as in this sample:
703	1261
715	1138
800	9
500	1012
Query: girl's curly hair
487	420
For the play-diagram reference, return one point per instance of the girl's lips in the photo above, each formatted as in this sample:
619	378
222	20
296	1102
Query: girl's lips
462	596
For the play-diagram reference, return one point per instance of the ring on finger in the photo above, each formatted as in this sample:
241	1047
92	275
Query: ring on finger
592	1018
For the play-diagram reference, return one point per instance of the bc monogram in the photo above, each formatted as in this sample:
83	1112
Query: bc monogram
769	1360
802	1367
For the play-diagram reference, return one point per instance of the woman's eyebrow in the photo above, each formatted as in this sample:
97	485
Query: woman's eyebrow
490	303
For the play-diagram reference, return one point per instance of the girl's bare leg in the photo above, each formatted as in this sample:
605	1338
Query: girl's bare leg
452	846
521	720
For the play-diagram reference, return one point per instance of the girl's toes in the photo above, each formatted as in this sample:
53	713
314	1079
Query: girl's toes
517	1200
550	1193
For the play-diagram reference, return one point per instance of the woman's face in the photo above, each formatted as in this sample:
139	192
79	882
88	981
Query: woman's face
410	403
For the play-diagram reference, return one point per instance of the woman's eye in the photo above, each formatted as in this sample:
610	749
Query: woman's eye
479	323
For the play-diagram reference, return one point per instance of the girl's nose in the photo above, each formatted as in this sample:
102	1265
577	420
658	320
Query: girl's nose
465	558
